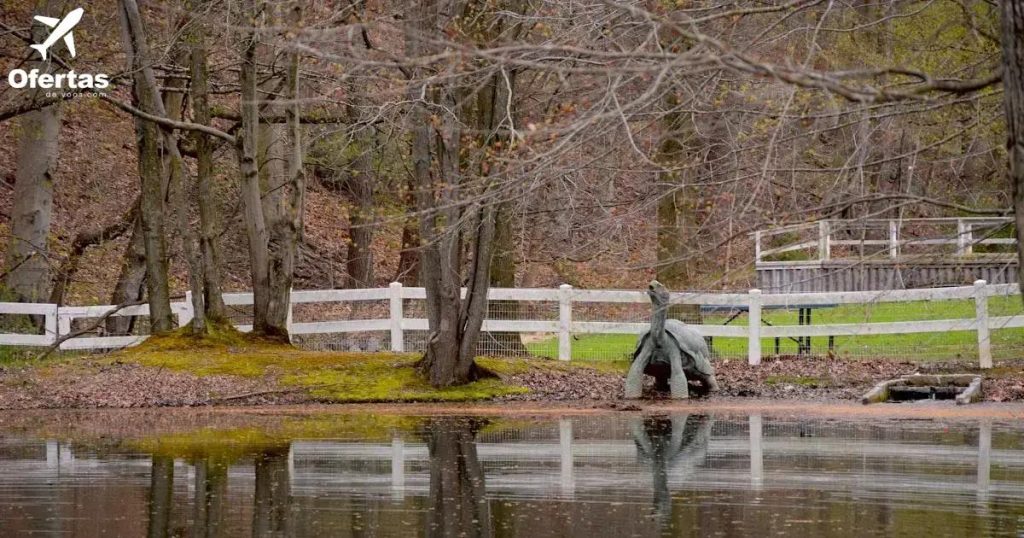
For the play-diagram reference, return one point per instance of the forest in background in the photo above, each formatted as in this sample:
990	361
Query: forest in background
311	144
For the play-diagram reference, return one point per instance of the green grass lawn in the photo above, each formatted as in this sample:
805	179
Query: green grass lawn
1006	343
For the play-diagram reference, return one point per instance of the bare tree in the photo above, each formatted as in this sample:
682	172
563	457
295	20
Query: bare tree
152	211
272	218
27	264
1013	91
450	227
213	299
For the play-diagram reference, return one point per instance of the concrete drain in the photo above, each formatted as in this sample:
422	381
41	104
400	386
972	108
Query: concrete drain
964	388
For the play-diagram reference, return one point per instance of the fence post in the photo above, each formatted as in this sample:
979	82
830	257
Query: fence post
754	336
964	238
981	318
757	246
564	322
824	245
63	324
397	337
894	239
186	313
52	329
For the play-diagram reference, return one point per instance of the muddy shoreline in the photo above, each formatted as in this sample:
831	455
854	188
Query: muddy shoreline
718	406
102	384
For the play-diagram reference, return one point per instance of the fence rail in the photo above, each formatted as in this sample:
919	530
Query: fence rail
890	236
59	319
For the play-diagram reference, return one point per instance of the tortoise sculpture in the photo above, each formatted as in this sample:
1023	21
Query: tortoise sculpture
670	352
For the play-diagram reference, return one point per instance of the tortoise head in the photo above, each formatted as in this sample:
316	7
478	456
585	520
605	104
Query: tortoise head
658	293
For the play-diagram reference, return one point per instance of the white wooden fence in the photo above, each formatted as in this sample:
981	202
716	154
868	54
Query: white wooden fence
887	234
58	319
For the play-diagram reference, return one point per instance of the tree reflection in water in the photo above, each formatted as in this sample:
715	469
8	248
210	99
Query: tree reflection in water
272	501
211	490
680	442
161	492
458	501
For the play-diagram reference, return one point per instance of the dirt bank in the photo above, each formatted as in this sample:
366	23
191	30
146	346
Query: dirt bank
119	381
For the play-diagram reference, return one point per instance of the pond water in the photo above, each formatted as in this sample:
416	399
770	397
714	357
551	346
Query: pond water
111	474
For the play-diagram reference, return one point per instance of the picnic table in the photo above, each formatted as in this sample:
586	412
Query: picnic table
804	317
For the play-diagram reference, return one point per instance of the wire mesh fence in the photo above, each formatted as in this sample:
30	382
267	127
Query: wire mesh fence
910	344
958	323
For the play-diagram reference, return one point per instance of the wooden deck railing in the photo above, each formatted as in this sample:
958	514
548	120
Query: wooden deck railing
891	237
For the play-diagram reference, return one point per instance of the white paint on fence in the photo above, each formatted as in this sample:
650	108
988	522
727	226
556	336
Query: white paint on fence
981	323
754	327
756	451
827	236
564	322
396	315
566	459
59	320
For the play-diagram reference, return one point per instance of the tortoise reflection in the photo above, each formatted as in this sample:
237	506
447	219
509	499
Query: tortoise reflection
679	442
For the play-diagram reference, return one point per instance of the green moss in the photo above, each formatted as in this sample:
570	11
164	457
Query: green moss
388	378
332	376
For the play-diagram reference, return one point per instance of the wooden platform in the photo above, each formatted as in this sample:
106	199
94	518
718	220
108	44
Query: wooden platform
868	275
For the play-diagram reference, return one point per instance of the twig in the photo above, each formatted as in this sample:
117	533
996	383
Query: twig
91	327
17	265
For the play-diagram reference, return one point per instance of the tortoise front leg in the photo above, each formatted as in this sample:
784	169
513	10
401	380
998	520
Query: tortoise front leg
677	383
635	377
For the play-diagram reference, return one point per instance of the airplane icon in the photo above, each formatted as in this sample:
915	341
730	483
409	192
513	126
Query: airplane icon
62	29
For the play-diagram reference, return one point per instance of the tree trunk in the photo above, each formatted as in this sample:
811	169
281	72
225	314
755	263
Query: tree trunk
273	222
409	258
495	103
676	202
152	208
1013	94
247	141
28	277
174	108
286	218
131	282
213	294
359	261
677	254
27	265
444	226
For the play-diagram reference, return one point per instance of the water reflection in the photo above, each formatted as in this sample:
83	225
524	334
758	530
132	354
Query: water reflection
272	500
458	501
667	475
210	486
161	489
665	442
